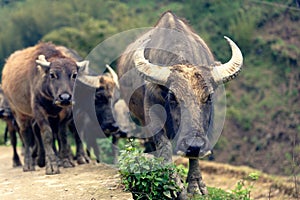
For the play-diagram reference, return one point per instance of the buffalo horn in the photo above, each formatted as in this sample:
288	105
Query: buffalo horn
150	72
228	71
92	81
114	75
42	61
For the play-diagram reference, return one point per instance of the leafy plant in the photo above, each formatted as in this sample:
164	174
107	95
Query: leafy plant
240	192
244	186
147	177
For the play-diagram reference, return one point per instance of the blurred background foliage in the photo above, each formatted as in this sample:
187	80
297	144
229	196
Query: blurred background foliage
262	127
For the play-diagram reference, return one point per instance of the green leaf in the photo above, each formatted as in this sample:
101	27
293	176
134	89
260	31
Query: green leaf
167	194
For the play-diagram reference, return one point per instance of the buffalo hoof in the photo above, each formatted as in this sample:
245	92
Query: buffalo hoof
17	163
67	163
82	160
41	162
52	168
28	168
52	165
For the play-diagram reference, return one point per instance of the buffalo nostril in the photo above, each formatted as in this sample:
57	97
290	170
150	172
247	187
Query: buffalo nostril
65	97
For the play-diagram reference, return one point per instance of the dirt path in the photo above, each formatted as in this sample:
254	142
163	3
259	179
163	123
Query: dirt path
99	181
85	182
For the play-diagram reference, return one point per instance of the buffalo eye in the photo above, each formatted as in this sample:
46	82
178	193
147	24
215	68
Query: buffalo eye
209	98
74	75
52	75
206	98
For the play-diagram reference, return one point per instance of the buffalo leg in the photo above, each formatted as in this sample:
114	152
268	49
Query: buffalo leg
81	157
40	146
91	143
64	149
47	138
28	139
194	179
115	149
164	150
6	134
51	159
13	140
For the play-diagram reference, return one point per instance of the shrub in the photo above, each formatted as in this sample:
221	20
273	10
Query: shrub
147	177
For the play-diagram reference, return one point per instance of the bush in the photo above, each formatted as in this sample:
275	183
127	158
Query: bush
147	177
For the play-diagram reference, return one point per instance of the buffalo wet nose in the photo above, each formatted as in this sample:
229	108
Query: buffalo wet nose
65	97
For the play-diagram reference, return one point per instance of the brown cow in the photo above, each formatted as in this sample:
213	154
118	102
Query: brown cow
38	83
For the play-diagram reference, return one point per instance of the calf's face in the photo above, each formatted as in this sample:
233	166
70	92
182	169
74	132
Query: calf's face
60	75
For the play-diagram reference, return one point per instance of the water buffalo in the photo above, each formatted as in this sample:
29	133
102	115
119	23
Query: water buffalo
106	86
180	75
38	83
101	95
11	126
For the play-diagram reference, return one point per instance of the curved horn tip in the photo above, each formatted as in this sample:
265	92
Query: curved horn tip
229	40
108	67
114	75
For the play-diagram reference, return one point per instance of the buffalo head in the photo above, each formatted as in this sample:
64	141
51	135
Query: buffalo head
59	76
106	86
190	89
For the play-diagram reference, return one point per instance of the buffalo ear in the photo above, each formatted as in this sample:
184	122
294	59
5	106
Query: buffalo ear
43	64
83	66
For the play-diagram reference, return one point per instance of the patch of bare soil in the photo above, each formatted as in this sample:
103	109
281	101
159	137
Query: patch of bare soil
85	182
101	182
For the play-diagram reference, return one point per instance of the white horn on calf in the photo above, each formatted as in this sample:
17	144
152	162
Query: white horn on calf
228	71
152	73
42	61
114	75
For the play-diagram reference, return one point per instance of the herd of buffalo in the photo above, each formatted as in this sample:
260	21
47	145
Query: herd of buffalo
169	66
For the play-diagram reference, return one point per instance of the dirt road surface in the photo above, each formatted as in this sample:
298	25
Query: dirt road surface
84	182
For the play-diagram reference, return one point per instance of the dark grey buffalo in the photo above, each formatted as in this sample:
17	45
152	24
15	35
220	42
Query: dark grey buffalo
38	82
11	126
97	96
180	75
99	93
